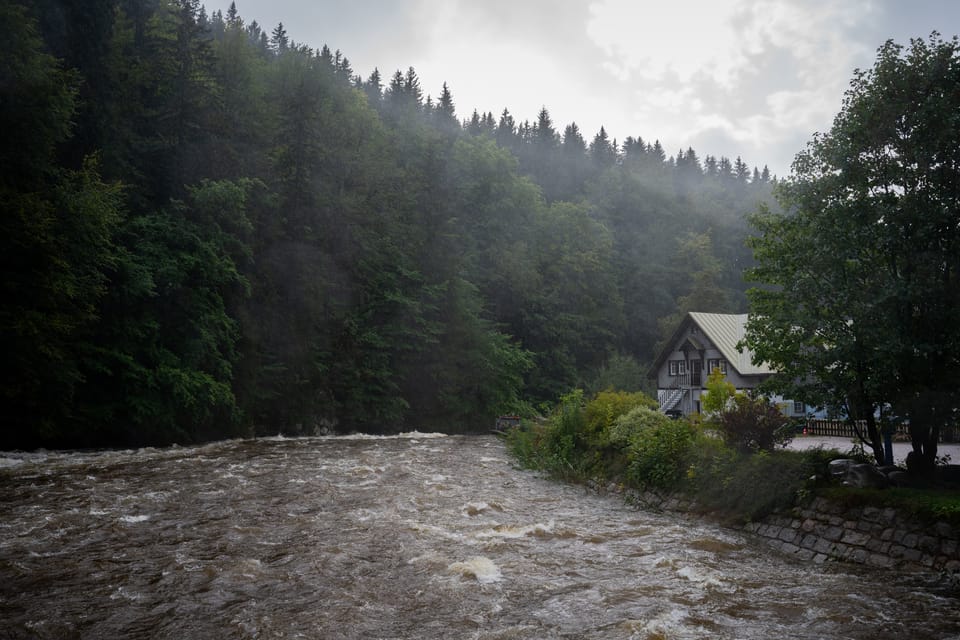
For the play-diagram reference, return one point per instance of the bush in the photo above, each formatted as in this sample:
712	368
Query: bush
657	447
575	440
747	486
753	424
605	408
526	444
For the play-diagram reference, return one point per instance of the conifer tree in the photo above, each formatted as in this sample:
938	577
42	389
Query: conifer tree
446	115
602	151
279	40
373	87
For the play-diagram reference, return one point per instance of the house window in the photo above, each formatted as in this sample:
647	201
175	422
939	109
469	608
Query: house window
717	364
799	407
677	367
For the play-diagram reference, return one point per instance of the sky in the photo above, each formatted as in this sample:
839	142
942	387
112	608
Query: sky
748	78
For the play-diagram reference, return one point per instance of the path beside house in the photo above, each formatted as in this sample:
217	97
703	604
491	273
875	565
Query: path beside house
900	449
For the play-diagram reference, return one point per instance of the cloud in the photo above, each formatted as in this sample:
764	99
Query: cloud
754	78
746	75
667	40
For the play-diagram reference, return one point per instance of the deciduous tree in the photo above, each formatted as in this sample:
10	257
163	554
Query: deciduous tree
861	275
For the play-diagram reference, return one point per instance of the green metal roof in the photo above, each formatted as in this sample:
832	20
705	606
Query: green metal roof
725	330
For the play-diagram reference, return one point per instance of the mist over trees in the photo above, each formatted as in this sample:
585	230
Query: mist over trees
212	230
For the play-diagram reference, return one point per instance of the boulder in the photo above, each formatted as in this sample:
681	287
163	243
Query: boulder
839	467
865	476
899	478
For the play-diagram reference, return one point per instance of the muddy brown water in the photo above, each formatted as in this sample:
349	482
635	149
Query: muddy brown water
404	537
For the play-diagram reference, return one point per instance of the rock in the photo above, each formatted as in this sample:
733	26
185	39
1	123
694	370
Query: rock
865	476
839	467
899	478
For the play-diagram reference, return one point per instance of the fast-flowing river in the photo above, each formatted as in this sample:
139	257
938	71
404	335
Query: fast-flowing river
406	537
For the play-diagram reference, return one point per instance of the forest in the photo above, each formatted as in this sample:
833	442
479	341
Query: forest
211	230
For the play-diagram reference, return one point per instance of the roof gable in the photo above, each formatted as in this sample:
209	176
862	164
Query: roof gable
724	330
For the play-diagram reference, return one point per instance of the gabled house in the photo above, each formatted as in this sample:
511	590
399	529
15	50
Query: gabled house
702	342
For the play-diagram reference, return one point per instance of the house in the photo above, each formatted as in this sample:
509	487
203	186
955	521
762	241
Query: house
702	342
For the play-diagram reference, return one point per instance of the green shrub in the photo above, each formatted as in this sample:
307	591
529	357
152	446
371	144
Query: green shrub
626	429
564	425
575	440
753	424
657	447
526	444
605	408
748	486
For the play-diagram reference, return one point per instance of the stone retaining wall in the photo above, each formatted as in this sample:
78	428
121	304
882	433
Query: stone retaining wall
825	531
864	535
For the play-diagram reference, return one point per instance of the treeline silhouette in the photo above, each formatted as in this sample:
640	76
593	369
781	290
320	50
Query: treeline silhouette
214	231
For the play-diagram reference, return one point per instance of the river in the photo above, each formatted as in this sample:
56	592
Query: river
404	537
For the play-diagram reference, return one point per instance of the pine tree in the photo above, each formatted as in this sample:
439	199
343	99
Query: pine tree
444	110
573	143
710	167
602	151
741	172
411	87
279	40
506	130
472	126
373	87
657	153
233	19
545	136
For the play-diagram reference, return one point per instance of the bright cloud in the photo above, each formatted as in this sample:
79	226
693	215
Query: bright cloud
750	73
699	38
750	78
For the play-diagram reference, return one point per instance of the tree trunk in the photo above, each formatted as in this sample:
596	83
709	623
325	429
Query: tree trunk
864	411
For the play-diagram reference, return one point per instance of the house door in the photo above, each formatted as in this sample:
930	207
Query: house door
696	367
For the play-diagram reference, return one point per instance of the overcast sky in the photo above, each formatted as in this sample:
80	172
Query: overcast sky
749	78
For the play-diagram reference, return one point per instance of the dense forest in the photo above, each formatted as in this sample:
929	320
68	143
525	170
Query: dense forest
210	230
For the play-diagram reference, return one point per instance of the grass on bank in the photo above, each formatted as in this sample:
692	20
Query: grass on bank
621	437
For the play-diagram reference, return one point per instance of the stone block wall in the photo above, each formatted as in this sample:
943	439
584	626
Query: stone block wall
864	535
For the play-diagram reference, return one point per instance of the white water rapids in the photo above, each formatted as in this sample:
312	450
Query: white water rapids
405	537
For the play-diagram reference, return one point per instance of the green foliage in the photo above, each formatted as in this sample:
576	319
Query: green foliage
268	244
37	100
750	486
860	279
706	289
720	393
606	409
753	424
657	447
619	371
161	367
560	440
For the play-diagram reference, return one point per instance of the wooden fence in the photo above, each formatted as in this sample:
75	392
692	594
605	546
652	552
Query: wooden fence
843	429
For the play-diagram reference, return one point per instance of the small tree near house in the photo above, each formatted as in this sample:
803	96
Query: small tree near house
748	424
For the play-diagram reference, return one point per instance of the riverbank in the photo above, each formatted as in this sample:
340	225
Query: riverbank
826	530
785	495
883	538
